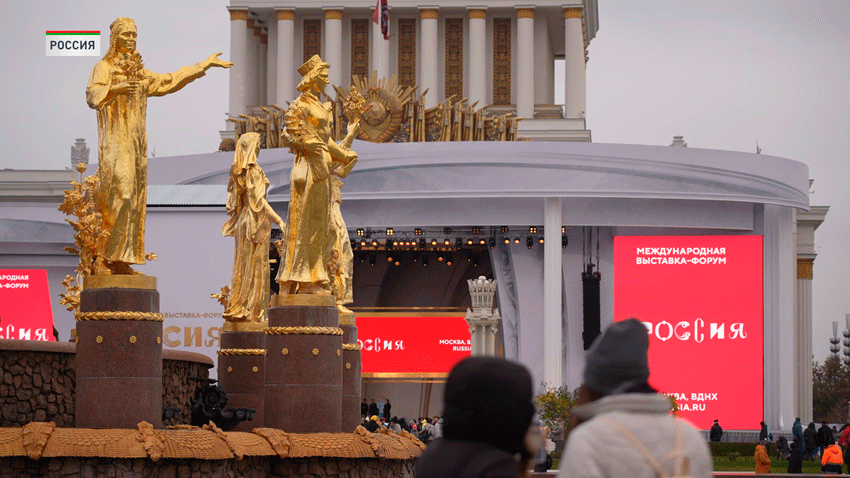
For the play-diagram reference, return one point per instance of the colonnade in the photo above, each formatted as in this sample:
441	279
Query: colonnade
264	53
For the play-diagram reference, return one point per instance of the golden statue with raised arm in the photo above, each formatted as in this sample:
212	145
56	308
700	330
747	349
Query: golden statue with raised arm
308	239
118	89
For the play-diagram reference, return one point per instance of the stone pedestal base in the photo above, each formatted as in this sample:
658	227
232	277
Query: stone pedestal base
351	367
303	365
241	373
119	353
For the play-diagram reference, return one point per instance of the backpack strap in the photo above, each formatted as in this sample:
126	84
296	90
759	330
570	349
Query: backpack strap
681	462
638	445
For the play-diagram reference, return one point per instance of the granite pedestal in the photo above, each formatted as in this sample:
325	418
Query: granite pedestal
241	372
119	353
351	367
303	365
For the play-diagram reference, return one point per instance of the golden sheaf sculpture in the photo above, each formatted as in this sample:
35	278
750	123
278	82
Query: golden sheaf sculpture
118	89
309	237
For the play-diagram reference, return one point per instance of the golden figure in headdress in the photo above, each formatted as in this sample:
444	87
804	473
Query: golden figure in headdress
250	224
307	240
118	89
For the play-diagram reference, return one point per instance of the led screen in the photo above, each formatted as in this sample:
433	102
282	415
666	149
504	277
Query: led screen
25	312
701	299
404	346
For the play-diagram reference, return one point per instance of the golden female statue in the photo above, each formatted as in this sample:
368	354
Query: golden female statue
250	223
341	263
308	239
118	89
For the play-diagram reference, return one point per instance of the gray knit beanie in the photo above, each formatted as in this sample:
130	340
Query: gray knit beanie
617	360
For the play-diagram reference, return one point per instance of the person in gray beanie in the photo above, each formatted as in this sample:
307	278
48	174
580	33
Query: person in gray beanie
622	425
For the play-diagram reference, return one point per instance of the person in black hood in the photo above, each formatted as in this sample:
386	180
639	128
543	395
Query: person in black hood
810	439
487	414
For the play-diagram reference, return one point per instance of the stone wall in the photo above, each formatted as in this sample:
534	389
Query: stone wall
37	385
38	380
248	467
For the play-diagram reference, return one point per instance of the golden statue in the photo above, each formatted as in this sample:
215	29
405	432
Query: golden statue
250	223
341	263
307	239
118	89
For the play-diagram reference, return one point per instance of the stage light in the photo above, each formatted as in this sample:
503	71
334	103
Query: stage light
362	243
422	243
529	241
425	260
360	232
476	230
468	257
447	242
459	243
492	243
563	229
475	262
389	231
469	242
415	257
375	242
389	258
564	242
395	243
372	259
433	242
447	230
532	229
450	260
507	240
504	229
362	256
397	263
540	240
417	232
516	240
440	258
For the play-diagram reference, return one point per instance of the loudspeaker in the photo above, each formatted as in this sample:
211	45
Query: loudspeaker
590	281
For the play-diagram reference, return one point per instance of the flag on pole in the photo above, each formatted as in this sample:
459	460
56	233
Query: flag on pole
382	10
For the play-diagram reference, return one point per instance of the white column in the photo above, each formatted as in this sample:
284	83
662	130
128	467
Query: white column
552	276
574	99
239	71
251	84
525	62
430	65
271	64
380	56
477	56
333	47
776	224
262	68
285	57
544	63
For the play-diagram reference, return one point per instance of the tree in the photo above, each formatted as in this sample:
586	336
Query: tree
554	403
830	390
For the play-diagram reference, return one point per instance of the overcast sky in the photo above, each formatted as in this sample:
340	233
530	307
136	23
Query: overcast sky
724	74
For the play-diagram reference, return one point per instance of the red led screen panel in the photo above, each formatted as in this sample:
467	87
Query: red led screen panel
404	346
701	297
25	311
